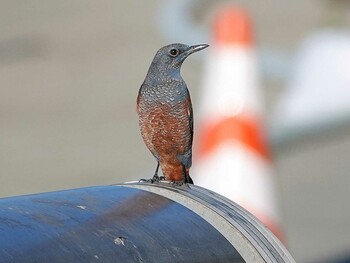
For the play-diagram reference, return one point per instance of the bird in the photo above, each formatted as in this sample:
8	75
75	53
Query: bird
165	114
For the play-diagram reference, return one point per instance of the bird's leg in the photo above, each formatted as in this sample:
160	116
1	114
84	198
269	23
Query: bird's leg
155	177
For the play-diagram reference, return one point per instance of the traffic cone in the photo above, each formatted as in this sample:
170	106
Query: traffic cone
231	151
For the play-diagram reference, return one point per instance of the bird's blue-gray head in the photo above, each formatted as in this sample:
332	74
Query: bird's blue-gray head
168	59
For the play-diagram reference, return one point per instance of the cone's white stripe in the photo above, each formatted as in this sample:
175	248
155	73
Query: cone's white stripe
241	175
230	83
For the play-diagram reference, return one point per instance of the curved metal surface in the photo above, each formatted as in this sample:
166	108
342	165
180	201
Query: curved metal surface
251	239
109	224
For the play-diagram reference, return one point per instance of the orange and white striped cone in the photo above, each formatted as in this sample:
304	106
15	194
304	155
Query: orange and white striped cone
232	157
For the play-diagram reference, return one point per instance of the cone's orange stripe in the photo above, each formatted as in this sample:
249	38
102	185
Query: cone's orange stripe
236	128
232	26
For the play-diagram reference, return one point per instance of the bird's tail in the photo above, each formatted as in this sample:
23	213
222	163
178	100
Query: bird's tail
188	178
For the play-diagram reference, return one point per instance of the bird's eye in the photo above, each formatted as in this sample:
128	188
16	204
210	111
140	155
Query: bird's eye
174	52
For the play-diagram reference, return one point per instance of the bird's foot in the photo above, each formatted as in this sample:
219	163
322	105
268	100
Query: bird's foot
157	179
181	183
154	179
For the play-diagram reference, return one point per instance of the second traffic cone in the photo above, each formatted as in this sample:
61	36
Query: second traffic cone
232	157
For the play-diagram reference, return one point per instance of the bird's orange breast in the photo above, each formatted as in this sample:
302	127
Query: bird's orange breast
165	128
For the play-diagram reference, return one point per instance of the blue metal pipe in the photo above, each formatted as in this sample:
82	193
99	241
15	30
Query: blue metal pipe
136	222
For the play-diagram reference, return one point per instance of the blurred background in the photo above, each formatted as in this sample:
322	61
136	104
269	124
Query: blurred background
70	72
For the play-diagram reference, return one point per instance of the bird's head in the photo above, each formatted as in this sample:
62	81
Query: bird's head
170	58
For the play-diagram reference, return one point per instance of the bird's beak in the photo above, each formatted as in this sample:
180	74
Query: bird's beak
195	48
198	47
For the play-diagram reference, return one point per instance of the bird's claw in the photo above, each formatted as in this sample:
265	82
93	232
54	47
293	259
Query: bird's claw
154	179
157	179
181	183
177	183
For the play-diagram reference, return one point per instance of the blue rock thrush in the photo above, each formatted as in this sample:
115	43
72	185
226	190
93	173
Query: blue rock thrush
165	113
